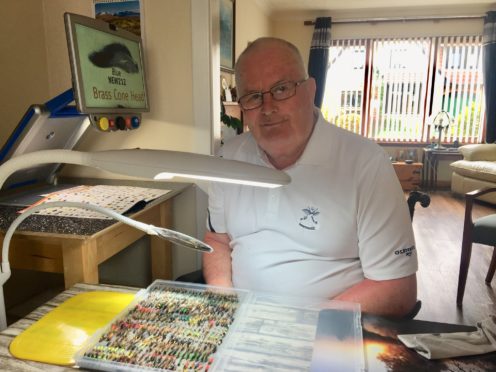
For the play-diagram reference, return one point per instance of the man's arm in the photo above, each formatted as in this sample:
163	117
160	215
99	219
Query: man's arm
393	298
217	265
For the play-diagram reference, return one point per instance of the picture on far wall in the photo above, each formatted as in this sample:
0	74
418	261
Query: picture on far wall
227	23
124	14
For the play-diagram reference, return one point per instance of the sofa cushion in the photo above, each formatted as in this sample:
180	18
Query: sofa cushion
481	170
482	151
461	185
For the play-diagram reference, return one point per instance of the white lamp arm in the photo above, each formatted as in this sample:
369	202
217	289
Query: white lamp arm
153	164
41	157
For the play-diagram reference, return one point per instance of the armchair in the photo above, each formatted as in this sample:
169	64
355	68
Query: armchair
476	170
482	231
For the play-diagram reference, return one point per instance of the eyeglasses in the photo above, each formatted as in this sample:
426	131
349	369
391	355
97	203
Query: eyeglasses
279	92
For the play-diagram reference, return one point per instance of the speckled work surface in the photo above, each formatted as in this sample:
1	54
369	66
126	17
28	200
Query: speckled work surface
81	226
53	224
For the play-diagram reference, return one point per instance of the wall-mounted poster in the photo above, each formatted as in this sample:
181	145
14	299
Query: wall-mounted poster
227	12
124	14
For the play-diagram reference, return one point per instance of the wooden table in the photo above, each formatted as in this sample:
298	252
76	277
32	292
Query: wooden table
75	247
383	350
430	160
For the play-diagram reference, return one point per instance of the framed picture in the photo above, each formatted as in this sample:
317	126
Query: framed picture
227	23
124	14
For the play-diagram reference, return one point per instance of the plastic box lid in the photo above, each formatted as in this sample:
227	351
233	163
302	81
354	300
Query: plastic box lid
266	332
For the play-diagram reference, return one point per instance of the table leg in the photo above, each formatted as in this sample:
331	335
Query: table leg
80	262
427	170
431	172
434	169
424	170
161	250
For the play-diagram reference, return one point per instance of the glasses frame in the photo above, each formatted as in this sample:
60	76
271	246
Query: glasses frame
262	93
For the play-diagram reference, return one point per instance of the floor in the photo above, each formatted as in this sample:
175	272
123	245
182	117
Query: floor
438	233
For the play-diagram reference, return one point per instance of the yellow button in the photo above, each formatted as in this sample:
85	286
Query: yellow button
103	124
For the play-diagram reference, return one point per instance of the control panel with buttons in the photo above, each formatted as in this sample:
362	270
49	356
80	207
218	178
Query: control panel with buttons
110	123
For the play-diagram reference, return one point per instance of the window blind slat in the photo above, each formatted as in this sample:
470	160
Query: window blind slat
408	80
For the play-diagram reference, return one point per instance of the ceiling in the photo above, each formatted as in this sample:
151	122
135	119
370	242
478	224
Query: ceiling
354	8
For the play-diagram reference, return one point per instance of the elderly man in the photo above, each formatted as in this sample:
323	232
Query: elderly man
341	229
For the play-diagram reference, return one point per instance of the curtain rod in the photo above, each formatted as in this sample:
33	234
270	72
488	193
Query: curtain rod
399	19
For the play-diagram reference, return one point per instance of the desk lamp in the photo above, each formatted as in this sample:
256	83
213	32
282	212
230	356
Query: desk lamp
441	122
151	164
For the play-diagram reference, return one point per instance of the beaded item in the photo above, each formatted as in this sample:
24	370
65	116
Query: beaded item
171	328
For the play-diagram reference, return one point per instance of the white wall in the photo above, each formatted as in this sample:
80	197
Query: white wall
58	69
252	22
23	76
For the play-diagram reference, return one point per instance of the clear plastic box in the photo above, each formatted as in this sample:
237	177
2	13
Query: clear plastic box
268	333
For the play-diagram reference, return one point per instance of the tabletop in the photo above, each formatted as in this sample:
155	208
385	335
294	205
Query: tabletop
383	351
81	226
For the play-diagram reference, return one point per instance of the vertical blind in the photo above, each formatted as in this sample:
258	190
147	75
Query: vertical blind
389	89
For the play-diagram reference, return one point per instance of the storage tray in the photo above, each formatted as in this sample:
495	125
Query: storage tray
169	326
174	326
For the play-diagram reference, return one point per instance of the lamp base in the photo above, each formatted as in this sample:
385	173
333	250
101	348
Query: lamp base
439	147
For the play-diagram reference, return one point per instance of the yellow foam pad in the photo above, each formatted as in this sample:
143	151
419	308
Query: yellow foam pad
57	336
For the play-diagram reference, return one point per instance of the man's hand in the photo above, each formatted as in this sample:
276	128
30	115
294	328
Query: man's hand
393	298
217	265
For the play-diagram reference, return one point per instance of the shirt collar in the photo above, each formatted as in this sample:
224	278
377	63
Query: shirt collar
312	153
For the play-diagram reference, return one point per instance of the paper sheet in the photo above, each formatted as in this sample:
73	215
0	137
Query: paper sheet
117	198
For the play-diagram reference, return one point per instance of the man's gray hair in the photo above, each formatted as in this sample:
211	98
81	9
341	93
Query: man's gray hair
270	40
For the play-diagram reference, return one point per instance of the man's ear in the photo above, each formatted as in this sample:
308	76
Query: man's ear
312	87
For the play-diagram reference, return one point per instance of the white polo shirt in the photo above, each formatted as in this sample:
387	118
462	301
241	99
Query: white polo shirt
342	218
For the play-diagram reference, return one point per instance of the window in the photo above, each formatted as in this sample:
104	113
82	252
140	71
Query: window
386	89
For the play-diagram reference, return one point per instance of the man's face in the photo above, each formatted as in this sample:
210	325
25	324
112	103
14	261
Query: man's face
281	128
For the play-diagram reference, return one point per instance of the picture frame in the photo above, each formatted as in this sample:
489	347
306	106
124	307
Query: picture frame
124	14
227	34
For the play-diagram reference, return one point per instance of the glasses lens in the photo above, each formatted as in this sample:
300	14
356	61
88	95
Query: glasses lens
283	91
251	101
278	92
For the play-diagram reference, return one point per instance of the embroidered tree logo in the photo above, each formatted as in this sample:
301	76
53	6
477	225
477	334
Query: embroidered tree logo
309	220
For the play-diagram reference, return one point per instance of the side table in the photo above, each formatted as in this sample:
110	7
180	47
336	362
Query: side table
430	160
408	174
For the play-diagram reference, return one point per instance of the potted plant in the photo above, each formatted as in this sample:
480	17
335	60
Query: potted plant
230	121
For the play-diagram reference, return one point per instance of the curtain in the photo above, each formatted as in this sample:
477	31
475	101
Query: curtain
489	65
319	56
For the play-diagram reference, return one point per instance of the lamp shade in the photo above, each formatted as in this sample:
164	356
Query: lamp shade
154	164
442	119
